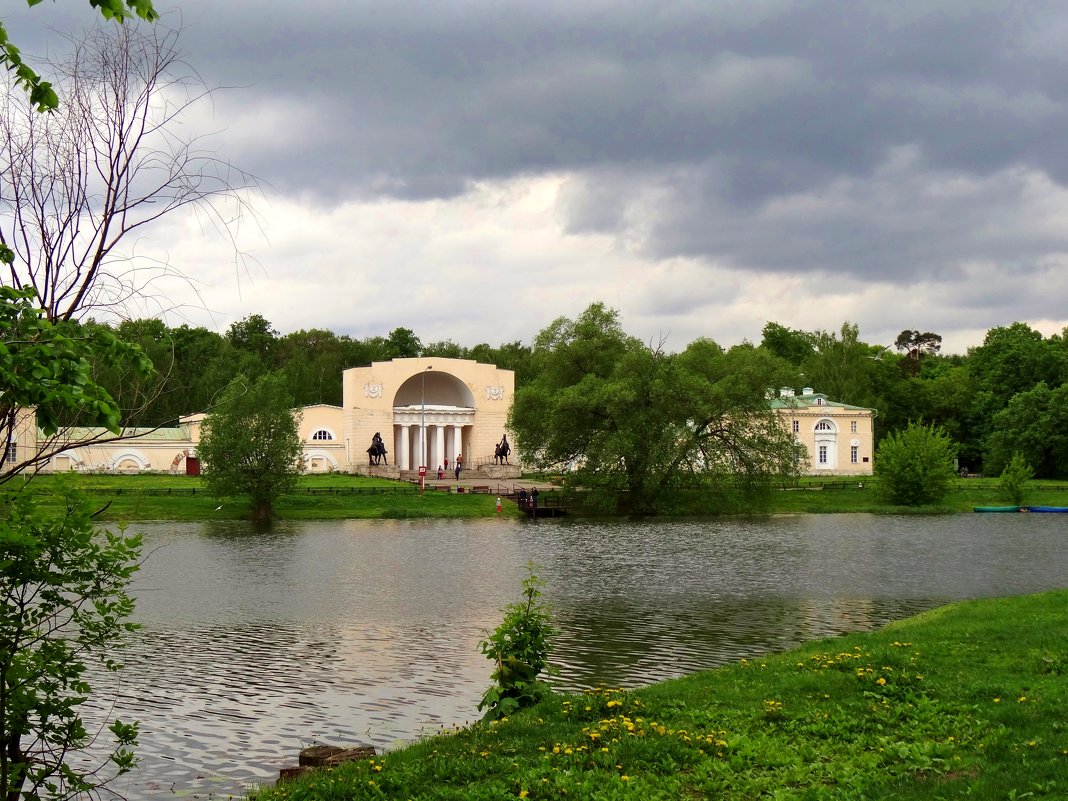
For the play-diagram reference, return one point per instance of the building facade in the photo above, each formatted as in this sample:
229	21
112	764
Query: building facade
839	438
426	411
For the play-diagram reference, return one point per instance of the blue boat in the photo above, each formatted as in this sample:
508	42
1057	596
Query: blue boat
1049	509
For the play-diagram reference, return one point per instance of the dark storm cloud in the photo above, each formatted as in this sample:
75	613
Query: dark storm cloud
888	140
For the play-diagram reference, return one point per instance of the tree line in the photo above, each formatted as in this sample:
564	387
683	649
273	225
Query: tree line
1007	395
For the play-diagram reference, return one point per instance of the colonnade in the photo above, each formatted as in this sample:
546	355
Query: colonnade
439	442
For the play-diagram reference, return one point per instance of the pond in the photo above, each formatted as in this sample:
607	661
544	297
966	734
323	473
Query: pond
255	644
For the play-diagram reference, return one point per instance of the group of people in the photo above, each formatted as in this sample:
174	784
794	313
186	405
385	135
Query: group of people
457	467
528	500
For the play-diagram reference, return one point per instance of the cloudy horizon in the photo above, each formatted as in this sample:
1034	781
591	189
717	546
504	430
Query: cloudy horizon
473	170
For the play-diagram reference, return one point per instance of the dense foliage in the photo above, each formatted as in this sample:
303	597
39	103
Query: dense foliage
1003	396
627	417
250	444
915	466
63	602
1014	479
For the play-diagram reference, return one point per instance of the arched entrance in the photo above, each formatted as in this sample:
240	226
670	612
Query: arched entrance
431	411
826	445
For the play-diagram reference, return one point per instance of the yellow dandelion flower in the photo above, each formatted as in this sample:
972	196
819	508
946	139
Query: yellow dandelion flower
1022	699
880	681
997	700
523	793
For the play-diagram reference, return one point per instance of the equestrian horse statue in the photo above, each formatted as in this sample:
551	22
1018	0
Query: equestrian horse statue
376	454
500	453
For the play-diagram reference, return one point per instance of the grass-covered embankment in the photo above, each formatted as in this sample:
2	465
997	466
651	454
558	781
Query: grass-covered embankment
966	701
319	497
338	496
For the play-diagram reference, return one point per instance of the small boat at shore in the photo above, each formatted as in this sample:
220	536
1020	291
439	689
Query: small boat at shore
1049	509
997	508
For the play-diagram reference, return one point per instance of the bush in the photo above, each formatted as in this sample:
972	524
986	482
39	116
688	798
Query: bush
520	649
915	466
1014	478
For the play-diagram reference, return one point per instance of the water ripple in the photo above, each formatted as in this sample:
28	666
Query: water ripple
255	644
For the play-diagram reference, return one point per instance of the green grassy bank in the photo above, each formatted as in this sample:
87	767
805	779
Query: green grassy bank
966	701
336	496
319	497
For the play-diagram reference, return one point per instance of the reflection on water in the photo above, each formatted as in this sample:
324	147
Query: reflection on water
256	643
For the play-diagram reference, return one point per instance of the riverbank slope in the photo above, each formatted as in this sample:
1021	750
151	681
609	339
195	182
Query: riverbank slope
337	496
962	701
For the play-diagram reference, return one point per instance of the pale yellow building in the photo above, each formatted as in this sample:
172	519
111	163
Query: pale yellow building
425	410
839	438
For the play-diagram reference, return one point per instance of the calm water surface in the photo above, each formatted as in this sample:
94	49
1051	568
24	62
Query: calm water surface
255	644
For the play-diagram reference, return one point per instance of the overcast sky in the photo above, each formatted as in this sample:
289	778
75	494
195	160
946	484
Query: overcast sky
472	170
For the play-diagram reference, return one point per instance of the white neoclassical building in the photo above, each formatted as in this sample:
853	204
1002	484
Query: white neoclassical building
426	411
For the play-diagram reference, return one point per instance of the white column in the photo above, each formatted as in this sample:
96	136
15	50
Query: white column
458	444
402	448
439	445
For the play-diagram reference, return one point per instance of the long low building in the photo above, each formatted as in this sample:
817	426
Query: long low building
427	412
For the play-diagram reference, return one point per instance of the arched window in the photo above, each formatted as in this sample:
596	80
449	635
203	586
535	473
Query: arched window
322	434
823	425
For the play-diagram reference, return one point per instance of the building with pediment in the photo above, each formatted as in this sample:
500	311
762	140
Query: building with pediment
839	438
427	411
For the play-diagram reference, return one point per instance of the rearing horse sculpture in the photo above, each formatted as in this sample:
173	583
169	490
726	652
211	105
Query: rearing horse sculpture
500	453
376	454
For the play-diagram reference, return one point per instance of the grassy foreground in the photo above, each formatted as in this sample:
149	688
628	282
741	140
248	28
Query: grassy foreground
966	701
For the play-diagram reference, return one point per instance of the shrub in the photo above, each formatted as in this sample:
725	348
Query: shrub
915	466
1014	478
520	649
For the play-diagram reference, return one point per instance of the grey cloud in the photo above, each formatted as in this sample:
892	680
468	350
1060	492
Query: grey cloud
759	135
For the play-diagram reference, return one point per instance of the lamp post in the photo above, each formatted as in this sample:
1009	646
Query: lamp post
422	421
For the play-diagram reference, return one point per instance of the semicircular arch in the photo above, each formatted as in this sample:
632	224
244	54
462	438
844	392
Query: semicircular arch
434	388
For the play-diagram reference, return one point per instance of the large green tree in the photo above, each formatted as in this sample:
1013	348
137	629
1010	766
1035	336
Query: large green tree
627	416
1033	424
250	443
844	367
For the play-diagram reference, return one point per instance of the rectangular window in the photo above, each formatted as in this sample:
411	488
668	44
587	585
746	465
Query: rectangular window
853	426
823	454
797	426
10	456
854	454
